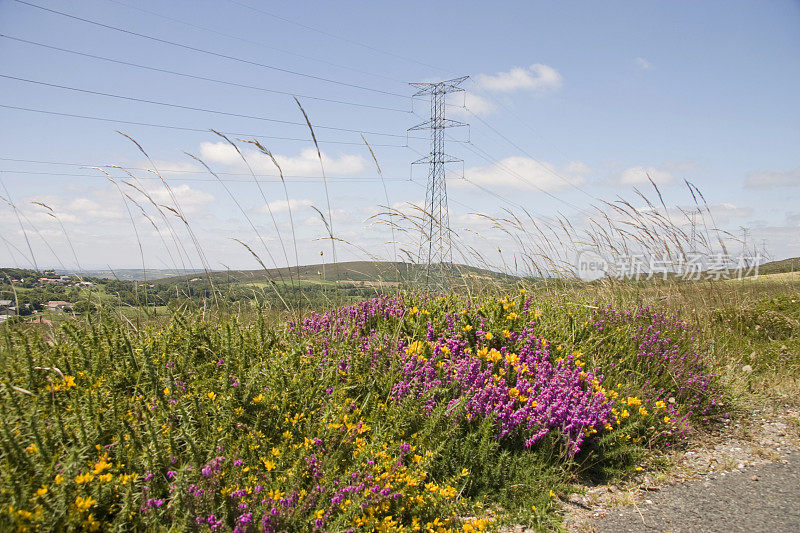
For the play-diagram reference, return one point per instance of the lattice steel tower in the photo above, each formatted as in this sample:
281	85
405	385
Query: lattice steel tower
435	245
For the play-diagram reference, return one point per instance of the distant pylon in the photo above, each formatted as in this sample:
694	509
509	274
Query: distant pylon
436	252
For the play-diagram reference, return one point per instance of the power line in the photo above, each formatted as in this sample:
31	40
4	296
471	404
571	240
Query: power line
484	155
191	108
494	193
204	78
276	179
488	191
257	43
212	53
547	220
183	128
540	163
339	37
160	169
523	123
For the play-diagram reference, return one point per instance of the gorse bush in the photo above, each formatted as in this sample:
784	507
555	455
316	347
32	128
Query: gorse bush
405	413
658	356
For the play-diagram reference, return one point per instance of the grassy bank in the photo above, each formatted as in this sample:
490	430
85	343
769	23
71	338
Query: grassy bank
399	413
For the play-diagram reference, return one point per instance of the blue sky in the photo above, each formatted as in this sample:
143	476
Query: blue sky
592	97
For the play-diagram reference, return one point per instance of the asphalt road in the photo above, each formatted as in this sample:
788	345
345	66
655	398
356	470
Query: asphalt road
763	498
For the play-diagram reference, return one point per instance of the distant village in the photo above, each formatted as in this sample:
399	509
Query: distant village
9	307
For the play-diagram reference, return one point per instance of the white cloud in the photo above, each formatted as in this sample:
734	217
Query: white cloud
177	166
82	209
639	175
780	240
219	152
280	206
679	166
105	205
725	211
577	168
473	102
340	217
773	178
537	77
190	200
473	221
722	213
304	164
526	173
644	64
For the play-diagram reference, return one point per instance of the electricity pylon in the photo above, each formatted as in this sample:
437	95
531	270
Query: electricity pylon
436	252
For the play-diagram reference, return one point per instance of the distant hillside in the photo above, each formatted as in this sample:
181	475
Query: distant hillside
353	271
127	274
779	267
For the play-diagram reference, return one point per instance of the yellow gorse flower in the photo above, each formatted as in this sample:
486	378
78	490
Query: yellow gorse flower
415	348
102	465
90	524
83	478
66	383
83	504
125	478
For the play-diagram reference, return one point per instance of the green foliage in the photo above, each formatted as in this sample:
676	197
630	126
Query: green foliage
758	323
102	419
